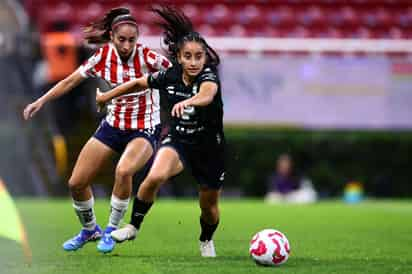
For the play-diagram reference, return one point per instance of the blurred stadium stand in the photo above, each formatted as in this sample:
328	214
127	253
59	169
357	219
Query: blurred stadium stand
27	164
387	19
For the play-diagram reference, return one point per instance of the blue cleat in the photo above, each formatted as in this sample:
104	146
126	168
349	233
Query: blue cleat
83	237
106	243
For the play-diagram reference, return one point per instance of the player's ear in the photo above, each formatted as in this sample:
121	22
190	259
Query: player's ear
111	35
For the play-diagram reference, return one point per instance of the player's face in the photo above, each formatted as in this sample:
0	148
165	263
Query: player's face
192	57
124	39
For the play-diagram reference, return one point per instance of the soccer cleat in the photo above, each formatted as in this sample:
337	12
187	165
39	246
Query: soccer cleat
207	249
82	238
127	233
106	243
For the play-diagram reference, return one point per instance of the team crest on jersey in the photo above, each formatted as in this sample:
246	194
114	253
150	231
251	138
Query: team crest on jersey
126	74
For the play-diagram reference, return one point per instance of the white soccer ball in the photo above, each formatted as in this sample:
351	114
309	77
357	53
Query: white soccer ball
269	247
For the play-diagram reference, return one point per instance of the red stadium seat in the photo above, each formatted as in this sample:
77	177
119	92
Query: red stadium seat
299	32
268	31
332	32
62	12
237	31
350	17
384	17
396	33
311	16
363	33
250	16
219	15
391	19
405	18
89	13
207	30
281	16
194	13
144	16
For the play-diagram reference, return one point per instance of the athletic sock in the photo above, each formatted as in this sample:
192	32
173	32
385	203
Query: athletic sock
117	210
207	230
85	212
140	208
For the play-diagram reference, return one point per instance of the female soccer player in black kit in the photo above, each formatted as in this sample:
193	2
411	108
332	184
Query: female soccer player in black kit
195	140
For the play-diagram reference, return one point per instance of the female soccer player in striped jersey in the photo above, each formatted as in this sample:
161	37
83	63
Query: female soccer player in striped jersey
196	140
130	128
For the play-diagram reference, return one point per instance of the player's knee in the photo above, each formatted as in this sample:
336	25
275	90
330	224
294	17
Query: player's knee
123	172
152	183
158	178
76	184
210	212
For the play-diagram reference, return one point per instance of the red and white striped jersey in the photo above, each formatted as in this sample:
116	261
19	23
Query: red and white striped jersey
137	110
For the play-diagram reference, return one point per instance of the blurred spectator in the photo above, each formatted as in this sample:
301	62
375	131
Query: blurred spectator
61	58
286	186
60	52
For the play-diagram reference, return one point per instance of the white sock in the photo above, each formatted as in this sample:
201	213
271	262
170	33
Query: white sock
85	212
117	210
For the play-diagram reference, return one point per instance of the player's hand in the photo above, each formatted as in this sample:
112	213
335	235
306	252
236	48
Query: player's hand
100	100
179	108
31	109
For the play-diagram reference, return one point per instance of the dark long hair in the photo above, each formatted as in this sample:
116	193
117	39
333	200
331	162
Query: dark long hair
178	29
99	32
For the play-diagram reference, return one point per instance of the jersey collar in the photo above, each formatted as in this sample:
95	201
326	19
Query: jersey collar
131	57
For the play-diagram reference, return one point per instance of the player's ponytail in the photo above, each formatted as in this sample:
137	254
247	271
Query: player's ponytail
178	29
99	32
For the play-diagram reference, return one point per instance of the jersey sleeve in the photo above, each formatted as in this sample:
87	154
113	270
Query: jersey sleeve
156	61
208	75
158	80
89	67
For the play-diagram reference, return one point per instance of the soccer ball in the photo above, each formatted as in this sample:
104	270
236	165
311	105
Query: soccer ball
269	247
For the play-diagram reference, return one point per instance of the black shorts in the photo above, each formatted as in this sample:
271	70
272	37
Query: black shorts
117	139
206	162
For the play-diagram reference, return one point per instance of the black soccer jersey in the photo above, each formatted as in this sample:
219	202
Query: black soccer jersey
197	122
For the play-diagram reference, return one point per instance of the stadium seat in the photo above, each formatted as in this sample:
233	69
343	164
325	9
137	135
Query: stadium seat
219	15
272	18
89	13
61	12
250	16
194	13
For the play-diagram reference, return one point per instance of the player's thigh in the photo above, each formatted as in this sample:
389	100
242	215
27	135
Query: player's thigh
136	155
166	164
208	197
90	160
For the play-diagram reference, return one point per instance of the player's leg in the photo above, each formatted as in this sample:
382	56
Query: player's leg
209	171
166	165
90	160
137	153
209	219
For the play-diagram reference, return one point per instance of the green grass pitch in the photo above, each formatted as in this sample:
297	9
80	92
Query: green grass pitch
328	237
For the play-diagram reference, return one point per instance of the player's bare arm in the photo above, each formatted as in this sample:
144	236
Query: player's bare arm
205	96
58	90
139	84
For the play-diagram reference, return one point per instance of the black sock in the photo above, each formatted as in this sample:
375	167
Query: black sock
140	208
207	230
